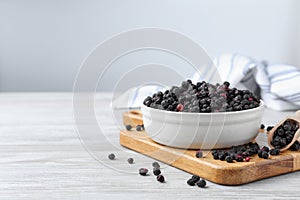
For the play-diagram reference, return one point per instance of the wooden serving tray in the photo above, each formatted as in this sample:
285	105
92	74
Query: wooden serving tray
216	171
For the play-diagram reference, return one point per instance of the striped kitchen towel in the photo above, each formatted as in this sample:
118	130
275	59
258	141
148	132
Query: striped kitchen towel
276	84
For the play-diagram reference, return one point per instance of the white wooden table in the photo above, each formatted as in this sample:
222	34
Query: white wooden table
41	157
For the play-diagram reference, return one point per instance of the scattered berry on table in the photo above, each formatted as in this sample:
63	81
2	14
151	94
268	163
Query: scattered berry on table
128	127
195	178
191	182
260	153
143	171
265	155
264	148
274	152
155	165
156	171
199	154
160	178
130	160
247	159
201	183
111	156
139	128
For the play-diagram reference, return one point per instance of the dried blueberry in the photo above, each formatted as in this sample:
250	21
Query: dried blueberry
156	171
195	178
229	159
222	156
180	107
111	156
191	182
201	183
260	153
274	152
160	178
245	154
265	155
128	127
155	165
264	148
143	171
247	159
295	146
130	160
226	83
216	156
139	128
199	154
239	159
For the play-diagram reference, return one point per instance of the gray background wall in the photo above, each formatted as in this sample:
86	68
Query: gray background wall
43	42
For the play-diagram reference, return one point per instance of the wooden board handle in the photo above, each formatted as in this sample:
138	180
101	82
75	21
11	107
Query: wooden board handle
133	117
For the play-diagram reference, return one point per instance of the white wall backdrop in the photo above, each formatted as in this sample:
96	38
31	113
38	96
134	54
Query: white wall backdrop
43	42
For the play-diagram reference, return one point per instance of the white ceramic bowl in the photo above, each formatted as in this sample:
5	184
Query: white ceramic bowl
202	130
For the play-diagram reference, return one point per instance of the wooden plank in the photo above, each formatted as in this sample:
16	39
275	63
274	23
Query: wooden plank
214	170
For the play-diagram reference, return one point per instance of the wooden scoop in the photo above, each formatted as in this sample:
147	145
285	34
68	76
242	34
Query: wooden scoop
295	118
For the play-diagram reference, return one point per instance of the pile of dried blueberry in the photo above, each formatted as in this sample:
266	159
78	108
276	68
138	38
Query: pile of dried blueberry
243	153
284	135
202	97
236	153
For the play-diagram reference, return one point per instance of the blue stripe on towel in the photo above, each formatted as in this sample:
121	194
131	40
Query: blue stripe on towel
283	73
287	100
283	79
264	87
293	97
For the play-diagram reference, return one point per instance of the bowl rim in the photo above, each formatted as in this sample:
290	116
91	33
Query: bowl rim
261	106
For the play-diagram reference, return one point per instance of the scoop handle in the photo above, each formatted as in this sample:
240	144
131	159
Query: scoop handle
297	114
